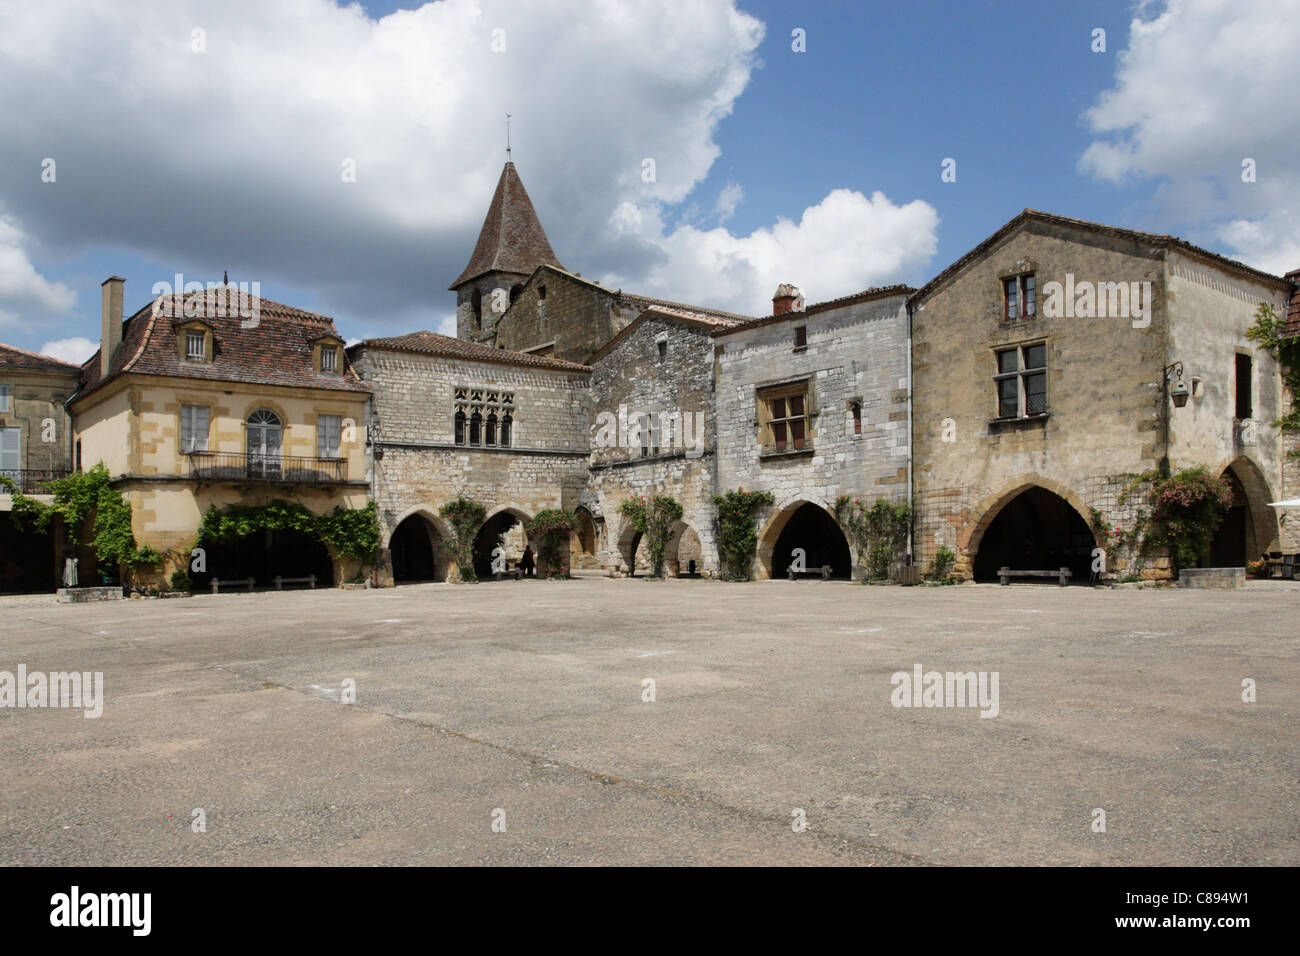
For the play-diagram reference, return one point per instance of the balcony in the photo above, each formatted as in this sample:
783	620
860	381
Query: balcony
279	469
30	481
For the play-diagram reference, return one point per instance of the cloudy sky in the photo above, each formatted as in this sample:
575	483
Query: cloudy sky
789	144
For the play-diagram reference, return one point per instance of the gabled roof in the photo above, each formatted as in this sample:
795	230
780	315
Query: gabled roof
276	351
705	321
645	301
431	343
866	295
512	238
13	357
1155	240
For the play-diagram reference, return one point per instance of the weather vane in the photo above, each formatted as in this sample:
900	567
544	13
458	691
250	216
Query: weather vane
507	137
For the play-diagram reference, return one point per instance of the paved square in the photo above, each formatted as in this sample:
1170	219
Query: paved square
527	697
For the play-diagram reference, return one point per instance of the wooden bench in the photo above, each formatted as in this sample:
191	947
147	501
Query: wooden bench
309	580
246	583
512	573
1006	574
825	572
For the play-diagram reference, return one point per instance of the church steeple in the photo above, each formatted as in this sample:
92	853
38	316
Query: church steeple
510	246
512	239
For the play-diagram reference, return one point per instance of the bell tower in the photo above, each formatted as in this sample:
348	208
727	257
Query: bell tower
510	246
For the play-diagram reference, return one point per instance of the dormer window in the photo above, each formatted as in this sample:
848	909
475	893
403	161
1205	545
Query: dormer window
327	354
194	341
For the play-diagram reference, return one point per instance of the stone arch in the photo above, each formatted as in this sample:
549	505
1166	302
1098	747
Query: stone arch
426	511
1256	523
771	530
510	518
629	545
682	548
971	537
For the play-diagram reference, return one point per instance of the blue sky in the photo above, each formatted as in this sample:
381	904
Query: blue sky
883	94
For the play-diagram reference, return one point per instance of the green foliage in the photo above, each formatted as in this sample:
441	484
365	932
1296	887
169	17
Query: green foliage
77	498
353	532
654	520
1186	509
941	565
879	532
466	517
551	529
1267	331
181	581
1121	541
737	537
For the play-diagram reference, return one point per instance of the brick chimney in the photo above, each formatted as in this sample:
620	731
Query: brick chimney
110	333
787	299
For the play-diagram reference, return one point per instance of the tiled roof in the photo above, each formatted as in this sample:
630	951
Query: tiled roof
1154	239
512	238
709	321
13	357
1293	311
277	351
866	295
431	343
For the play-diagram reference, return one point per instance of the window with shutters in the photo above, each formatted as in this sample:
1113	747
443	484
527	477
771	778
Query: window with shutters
784	419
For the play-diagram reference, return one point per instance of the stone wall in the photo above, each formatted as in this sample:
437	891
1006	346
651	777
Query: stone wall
854	352
663	370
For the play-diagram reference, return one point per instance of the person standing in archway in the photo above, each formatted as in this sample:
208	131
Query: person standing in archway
526	562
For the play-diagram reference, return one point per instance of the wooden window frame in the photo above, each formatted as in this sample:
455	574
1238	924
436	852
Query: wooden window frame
766	398
1026	293
1019	375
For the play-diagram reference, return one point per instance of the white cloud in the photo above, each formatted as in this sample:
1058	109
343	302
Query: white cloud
75	349
732	195
233	157
22	289
844	244
1202	87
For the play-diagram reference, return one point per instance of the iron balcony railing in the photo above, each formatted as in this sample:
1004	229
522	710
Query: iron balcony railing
30	481
241	466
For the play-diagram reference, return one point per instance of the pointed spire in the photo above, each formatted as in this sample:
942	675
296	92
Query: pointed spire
512	239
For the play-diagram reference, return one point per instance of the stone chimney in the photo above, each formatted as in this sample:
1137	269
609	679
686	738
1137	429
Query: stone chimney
787	299
110	333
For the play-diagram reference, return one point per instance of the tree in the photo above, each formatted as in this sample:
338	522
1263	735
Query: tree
466	517
737	537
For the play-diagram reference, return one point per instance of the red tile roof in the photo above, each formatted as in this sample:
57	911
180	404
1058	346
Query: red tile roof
512	238
277	351
1293	311
13	357
431	343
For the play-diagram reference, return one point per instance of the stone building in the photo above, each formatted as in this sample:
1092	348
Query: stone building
812	405
35	446
450	418
217	398
1044	364
653	431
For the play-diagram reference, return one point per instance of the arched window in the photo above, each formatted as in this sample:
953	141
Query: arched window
265	436
460	427
476	429
506	424
491	437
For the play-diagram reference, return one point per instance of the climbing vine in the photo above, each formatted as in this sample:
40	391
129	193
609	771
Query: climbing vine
1182	513
737	537
654	519
351	531
879	532
551	529
1268	331
465	516
78	497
